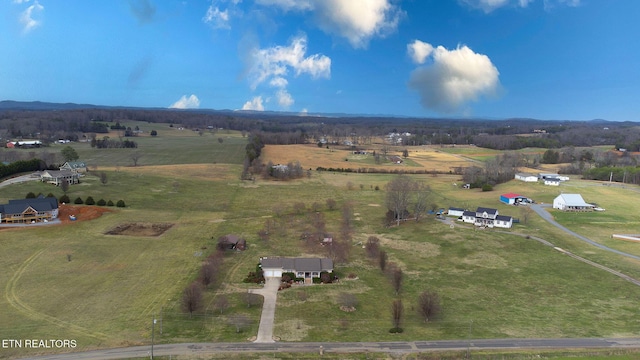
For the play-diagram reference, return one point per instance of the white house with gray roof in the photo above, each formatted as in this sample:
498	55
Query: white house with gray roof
307	268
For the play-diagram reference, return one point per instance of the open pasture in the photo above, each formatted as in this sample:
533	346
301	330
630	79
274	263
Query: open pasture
492	284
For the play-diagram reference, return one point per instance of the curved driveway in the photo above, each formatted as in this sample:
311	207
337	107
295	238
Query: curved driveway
540	210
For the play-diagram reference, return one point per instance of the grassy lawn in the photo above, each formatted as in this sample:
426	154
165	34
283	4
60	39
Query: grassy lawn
492	284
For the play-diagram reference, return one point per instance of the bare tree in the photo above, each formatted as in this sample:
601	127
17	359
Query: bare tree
398	196
372	247
263	235
221	303
64	186
397	311
423	193
240	321
299	207
192	298
346	227
396	278
251	299
103	178
135	157
207	273
525	213
382	260
331	204
428	305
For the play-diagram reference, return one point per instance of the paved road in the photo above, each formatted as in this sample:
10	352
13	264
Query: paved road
201	350
540	210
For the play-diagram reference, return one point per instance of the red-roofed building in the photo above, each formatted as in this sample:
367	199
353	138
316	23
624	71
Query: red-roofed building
514	199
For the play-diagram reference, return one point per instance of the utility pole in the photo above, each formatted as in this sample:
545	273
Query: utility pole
153	328
469	341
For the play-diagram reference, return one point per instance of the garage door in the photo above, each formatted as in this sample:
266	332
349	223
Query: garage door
273	273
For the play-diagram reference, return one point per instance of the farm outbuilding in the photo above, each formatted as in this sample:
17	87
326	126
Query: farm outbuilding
571	202
526	177
514	199
455	212
552	181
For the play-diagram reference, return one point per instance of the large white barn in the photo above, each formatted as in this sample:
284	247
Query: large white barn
571	202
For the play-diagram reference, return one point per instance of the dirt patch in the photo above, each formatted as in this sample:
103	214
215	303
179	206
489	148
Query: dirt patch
80	212
140	229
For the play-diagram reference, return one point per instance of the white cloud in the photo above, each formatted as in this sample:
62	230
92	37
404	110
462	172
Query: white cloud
278	82
490	5
27	17
288	5
419	51
358	21
285	99
254	104
216	18
455	77
191	102
20	1
277	61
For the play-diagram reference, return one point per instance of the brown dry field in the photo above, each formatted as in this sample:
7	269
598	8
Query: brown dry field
311	156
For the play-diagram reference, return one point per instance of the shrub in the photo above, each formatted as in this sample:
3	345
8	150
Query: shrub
101	202
64	199
90	201
120	203
50	195
397	330
110	203
31	195
487	187
78	201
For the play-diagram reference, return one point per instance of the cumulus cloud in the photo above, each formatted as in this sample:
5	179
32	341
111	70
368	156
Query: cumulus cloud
419	51
276	62
454	78
29	17
358	21
254	104
273	66
490	5
191	102
285	99
143	10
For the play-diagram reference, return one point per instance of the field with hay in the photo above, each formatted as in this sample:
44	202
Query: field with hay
103	280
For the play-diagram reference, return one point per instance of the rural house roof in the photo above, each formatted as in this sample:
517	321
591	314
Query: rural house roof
74	164
489	211
503	218
39	204
298	264
512	196
456	209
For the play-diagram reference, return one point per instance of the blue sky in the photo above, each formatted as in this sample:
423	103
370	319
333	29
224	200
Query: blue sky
544	59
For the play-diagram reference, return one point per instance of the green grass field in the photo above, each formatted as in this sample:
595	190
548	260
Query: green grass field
492	284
